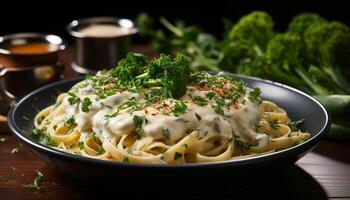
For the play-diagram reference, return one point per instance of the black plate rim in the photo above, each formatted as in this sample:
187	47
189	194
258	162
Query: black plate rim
309	144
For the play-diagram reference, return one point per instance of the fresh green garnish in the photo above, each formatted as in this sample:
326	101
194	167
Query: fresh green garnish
200	101
179	108
294	125
198	116
73	99
85	107
166	133
210	95
101	151
177	155
254	95
81	145
41	136
138	122
34	185
130	103
242	146
274	124
171	74
125	160
69	122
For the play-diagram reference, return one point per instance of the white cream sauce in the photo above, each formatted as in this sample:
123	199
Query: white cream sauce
238	120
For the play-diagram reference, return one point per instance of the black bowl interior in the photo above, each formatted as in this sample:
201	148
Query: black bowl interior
297	104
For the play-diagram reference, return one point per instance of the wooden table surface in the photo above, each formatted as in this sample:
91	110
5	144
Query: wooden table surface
323	173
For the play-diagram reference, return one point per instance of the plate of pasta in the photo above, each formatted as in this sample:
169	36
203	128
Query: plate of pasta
155	114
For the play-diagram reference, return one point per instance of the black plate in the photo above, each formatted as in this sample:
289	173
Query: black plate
297	104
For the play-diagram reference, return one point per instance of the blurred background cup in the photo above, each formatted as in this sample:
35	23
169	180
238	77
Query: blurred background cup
28	61
100	42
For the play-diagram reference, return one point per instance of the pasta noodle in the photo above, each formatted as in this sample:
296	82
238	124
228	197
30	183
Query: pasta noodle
217	119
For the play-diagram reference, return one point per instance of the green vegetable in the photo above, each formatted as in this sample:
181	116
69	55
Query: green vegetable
172	75
312	55
34	185
70	121
85	107
73	99
177	155
274	124
138	122
41	136
179	108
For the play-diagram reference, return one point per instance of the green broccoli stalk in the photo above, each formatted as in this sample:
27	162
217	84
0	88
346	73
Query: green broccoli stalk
329	46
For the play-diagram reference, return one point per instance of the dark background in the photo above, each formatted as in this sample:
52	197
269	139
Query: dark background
52	16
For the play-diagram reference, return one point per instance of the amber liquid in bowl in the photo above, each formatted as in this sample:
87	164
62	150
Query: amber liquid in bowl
31	48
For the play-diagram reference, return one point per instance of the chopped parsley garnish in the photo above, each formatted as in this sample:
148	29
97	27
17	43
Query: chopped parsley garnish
130	103
101	151
34	185
179	108
177	155
200	101
85	107
294	125
166	133
138	122
125	160
41	136
274	124
210	95
242	146
40	119
81	145
218	109
217	128
241	86
69	121
198	116
73	99
254	95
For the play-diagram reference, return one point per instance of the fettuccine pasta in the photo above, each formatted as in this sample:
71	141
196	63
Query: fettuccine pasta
217	119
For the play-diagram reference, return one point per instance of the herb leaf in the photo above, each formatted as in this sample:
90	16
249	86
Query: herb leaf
85	107
34	185
177	155
70	121
294	125
73	99
138	122
274	124
179	108
254	95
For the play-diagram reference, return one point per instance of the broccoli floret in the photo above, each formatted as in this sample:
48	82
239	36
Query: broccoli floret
301	23
172	74
135	72
284	50
128	68
247	39
328	46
